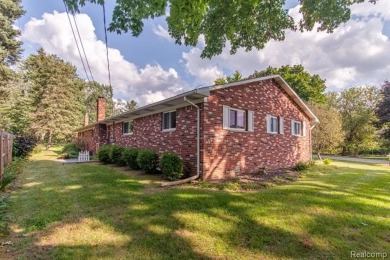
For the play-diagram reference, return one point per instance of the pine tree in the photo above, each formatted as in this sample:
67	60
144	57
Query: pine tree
55	97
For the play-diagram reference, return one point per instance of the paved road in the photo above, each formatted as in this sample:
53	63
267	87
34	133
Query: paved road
354	159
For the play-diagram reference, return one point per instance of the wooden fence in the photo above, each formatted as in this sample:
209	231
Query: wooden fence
6	140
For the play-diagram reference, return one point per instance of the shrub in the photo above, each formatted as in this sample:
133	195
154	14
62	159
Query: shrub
116	155
3	216
148	161
7	179
130	156
171	166
104	154
301	166
23	145
38	148
16	166
327	161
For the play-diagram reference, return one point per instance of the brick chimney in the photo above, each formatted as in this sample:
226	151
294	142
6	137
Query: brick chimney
86	119
101	109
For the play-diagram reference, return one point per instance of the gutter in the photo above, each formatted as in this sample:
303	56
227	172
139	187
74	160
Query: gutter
167	184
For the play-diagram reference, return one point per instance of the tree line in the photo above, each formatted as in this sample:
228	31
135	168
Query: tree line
353	121
43	96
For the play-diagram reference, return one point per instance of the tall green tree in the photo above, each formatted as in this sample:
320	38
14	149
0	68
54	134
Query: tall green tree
10	45
309	87
328	135
357	107
54	96
383	110
243	23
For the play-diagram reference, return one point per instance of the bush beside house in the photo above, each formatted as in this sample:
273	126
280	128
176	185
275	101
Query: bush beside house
171	166
130	156
104	154
148	161
116	155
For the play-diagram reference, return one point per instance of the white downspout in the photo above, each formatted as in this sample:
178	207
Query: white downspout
165	184
311	143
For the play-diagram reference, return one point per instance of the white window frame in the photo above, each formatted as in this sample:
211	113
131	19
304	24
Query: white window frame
169	122
248	119
245	119
302	128
132	128
270	126
279	124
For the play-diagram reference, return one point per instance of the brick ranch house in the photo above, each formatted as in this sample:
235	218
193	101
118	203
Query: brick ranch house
219	131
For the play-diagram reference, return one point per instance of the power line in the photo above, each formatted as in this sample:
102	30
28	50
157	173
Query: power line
108	61
74	36
82	46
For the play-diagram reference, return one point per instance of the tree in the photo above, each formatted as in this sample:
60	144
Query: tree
383	110
308	87
10	46
92	90
55	97
328	134
357	107
131	105
237	76
243	23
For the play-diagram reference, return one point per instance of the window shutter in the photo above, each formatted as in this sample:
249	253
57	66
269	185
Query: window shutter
268	123
292	127
250	121
281	125
303	128
225	117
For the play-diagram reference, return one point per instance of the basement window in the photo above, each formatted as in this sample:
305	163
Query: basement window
127	128
169	121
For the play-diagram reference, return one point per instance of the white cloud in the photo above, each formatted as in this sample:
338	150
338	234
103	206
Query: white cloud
355	53
163	33
53	33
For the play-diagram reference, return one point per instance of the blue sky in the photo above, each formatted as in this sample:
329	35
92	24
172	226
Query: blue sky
151	67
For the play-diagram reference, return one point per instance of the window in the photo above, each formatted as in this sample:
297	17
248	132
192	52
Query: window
169	120
275	125
127	128
237	119
298	128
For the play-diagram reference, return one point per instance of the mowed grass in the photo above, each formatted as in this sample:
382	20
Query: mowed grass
90	211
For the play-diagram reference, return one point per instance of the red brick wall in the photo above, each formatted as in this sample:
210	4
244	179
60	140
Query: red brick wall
227	153
93	136
224	153
147	134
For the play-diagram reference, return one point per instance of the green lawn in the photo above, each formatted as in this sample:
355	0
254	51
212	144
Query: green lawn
93	211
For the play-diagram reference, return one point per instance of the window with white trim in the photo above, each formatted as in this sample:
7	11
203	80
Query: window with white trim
238	119
127	128
275	125
169	120
298	128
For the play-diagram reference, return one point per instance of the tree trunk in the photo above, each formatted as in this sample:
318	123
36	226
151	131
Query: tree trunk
49	139
319	156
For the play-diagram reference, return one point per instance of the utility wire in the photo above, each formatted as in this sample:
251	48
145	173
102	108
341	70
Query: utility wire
74	36
108	61
82	46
